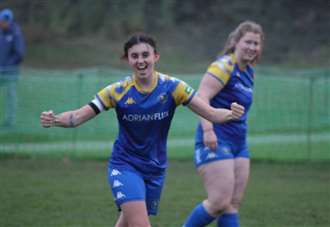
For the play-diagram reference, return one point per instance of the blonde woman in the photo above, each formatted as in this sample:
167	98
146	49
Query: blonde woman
221	151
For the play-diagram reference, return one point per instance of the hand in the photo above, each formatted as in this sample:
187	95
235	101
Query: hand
210	139
236	110
47	119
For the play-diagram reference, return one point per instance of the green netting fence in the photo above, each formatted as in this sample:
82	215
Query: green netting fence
290	117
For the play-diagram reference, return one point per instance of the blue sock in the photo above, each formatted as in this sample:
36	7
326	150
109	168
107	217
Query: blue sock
228	220
198	217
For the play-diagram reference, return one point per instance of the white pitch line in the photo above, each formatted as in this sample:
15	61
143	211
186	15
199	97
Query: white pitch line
106	145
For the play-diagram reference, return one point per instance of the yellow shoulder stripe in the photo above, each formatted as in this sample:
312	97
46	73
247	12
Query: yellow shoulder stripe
221	69
120	89
114	92
182	93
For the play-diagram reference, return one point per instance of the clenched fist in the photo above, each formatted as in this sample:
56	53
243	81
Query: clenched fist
236	110
47	119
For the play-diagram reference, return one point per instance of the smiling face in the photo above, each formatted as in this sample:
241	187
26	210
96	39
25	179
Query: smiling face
248	48
142	58
246	42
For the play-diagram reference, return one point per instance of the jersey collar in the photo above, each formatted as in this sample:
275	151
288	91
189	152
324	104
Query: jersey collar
234	60
154	82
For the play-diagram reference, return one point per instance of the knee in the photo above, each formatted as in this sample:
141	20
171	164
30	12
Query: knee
236	204
233	206
217	206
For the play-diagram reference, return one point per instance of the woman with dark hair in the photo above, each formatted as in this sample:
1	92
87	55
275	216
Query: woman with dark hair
144	103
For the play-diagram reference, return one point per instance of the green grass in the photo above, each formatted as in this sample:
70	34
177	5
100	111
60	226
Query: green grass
62	192
318	151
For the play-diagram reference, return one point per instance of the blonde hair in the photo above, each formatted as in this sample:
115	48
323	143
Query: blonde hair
235	36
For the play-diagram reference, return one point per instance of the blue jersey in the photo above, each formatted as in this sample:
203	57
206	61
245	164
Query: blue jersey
144	120
238	87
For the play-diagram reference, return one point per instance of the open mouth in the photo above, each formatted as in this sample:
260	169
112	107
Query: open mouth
142	67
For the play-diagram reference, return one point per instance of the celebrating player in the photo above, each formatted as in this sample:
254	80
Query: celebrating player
221	151
144	103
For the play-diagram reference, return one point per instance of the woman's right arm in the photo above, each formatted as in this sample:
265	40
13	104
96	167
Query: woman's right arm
200	104
69	119
208	88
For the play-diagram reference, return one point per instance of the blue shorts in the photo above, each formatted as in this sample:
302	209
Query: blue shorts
225	150
129	185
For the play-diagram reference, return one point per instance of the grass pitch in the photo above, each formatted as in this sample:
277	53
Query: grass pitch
62	192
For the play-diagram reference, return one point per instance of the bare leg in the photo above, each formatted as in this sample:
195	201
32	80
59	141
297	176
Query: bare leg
230	217
134	214
218	178
121	222
242	173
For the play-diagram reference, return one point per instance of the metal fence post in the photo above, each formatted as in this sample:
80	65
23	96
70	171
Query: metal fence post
310	117
80	78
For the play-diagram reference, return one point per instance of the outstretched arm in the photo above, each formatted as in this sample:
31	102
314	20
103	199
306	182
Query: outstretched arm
69	119
216	115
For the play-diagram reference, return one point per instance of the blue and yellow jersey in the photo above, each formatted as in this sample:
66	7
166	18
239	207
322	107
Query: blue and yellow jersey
144	120
237	87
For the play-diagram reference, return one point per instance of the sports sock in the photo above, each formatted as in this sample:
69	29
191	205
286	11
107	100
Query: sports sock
198	217
228	220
